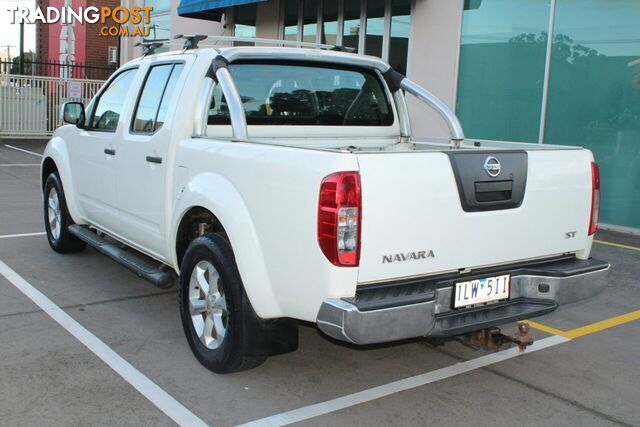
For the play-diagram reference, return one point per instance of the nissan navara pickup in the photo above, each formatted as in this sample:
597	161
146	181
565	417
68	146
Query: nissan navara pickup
279	185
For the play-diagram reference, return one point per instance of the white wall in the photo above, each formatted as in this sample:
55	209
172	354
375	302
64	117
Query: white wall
433	60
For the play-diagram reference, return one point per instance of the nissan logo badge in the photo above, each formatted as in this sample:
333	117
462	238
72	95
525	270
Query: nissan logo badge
492	166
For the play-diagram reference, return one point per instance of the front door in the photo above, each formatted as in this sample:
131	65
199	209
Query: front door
95	153
142	167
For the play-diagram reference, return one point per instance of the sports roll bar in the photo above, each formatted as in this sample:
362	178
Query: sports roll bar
455	128
220	74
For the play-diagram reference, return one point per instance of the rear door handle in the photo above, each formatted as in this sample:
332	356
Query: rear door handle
152	159
110	151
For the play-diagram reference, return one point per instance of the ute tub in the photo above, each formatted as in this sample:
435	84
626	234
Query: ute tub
422	307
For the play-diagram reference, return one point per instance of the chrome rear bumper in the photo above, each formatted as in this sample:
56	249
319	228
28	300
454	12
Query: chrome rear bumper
422	307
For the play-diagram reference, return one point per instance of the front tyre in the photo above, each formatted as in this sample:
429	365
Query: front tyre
57	218
213	306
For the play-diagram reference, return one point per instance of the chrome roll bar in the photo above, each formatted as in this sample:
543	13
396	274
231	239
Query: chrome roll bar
220	73
234	102
455	128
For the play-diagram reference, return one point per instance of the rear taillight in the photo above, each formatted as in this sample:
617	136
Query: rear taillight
339	214
595	198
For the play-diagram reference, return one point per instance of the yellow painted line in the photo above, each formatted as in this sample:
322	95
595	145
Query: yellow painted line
617	245
547	329
589	329
602	325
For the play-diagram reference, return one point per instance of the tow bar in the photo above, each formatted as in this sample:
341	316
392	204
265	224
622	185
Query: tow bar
493	339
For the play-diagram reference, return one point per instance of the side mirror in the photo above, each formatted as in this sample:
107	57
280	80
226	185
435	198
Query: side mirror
73	113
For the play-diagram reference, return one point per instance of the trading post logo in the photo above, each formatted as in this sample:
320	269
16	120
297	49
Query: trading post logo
113	19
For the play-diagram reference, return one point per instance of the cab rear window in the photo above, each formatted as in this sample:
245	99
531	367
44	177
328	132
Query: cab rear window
296	94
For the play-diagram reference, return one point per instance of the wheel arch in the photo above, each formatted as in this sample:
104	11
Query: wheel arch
212	196
56	159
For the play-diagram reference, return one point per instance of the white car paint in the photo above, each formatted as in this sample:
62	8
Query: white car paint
265	194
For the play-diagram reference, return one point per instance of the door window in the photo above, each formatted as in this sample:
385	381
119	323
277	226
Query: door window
107	112
155	96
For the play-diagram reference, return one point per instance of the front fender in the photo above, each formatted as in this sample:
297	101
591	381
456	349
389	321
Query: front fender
57	151
216	194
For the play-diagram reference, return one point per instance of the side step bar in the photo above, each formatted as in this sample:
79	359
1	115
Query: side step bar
159	275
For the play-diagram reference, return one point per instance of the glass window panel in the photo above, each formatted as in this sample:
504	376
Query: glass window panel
502	61
160	29
150	98
375	27
329	22
107	112
400	29
291	8
158	5
168	93
351	31
310	21
245	23
594	96
289	94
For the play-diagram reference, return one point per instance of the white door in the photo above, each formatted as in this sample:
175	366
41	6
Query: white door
142	165
95	154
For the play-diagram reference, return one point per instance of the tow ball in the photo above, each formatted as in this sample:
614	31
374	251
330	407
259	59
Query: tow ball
493	339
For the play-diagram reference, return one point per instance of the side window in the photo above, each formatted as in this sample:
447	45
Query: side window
155	96
107	112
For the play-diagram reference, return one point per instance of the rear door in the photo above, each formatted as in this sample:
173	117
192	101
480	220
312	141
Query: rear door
430	212
142	165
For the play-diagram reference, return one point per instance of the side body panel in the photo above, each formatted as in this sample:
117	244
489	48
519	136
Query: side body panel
266	198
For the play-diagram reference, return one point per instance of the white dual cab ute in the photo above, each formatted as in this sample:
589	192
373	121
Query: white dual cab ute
284	184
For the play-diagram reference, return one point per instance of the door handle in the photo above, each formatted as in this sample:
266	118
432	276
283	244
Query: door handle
152	159
110	151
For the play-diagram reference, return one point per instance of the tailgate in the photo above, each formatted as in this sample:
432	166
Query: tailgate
430	212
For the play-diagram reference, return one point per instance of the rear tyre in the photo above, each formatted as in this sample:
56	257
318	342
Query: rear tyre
57	219
213	306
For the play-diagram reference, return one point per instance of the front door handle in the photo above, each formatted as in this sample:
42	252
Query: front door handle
110	151
152	159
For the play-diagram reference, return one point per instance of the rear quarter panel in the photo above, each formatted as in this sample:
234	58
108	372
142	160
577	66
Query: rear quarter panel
266	198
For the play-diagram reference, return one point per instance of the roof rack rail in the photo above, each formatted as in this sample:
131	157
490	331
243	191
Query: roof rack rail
191	40
149	46
293	43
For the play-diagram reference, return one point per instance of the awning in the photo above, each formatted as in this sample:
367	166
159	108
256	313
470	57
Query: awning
211	10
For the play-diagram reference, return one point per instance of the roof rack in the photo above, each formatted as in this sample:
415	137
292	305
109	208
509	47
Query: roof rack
192	41
149	46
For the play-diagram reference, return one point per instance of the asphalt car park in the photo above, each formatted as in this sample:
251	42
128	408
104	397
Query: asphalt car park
85	341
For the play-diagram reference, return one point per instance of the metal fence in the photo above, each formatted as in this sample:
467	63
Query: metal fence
57	69
30	106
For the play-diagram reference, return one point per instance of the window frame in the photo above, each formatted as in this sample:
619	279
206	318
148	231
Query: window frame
96	101
318	64
386	38
173	63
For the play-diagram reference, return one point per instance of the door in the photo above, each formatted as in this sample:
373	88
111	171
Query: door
142	165
94	152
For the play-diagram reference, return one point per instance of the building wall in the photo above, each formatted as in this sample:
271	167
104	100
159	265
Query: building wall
433	60
96	46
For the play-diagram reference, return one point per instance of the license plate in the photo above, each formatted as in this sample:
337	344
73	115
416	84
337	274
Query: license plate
483	290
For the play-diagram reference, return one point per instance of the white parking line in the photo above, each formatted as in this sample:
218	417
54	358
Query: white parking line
19	164
367	395
156	395
11	236
23	150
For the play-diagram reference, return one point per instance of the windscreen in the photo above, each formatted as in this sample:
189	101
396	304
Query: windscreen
295	94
